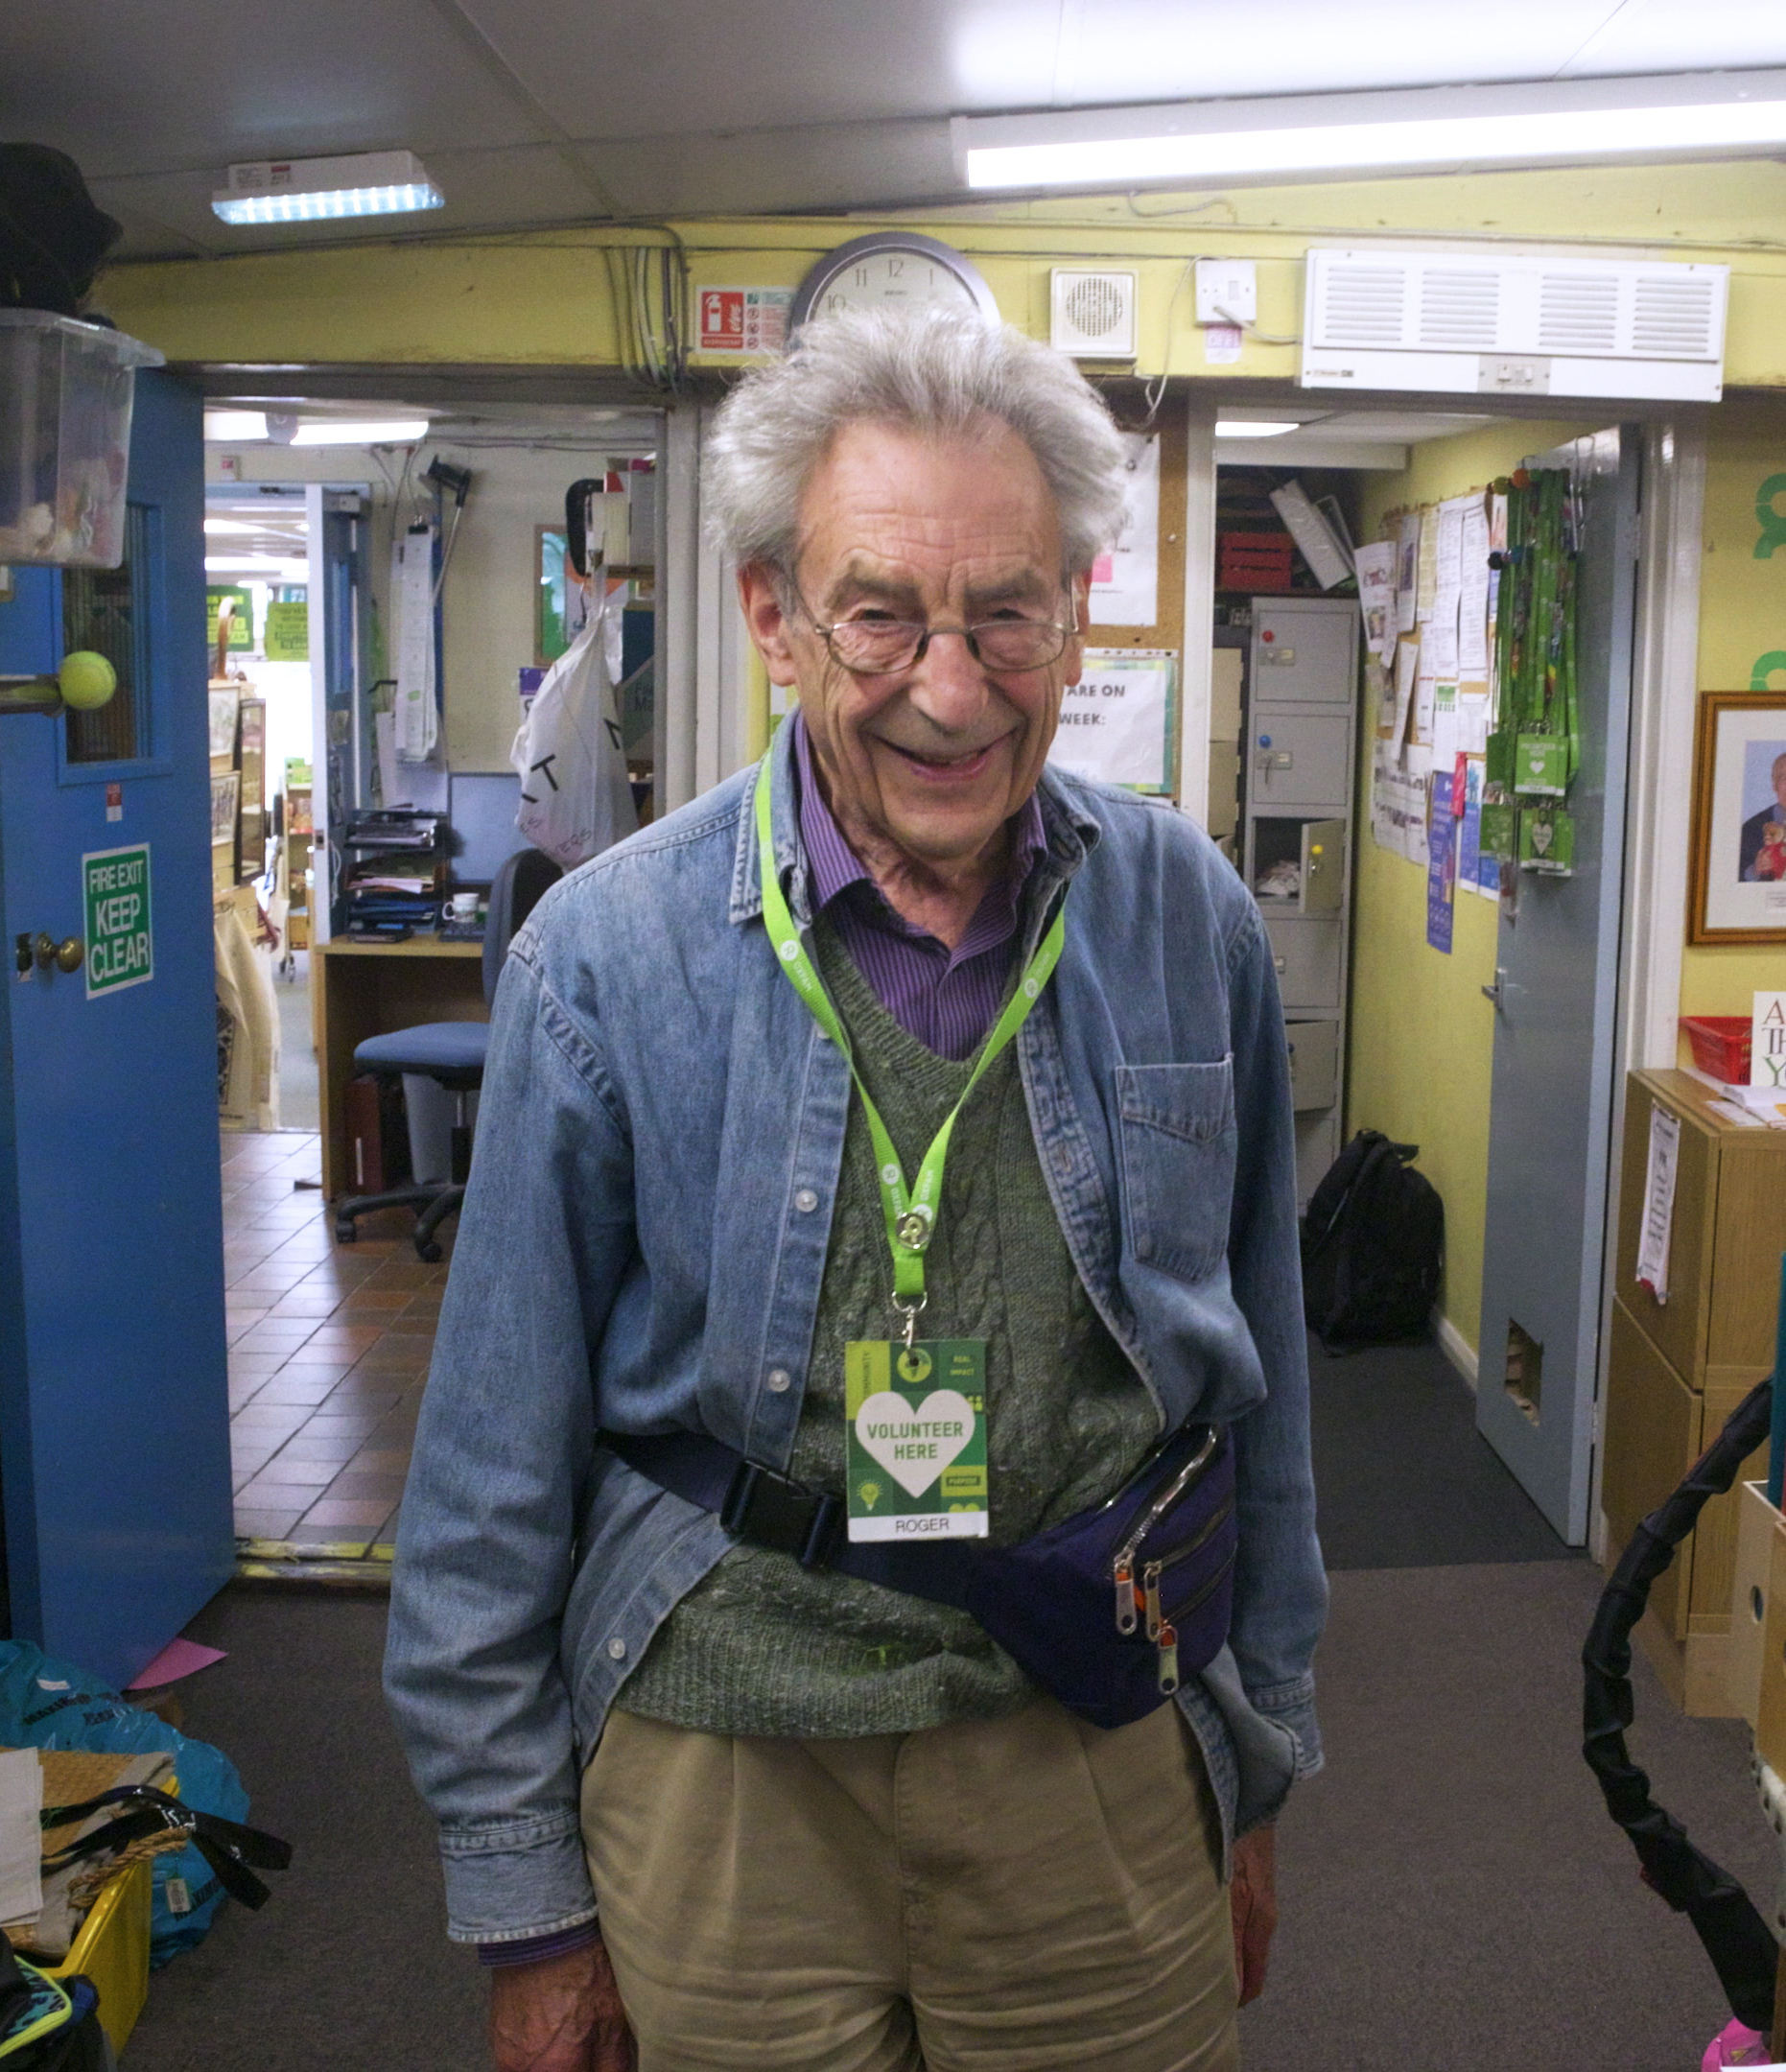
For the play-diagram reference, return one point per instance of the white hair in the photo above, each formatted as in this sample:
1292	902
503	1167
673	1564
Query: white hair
930	371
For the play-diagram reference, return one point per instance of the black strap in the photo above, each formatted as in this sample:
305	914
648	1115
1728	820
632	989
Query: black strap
769	1509
1736	1939
225	1845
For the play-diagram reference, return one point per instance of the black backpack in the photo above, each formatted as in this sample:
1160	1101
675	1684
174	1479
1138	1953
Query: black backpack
1373	1246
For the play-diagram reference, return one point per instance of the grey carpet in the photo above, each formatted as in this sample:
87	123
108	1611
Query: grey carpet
1454	1897
1402	1477
347	1968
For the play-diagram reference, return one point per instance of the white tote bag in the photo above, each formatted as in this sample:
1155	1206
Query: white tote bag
576	798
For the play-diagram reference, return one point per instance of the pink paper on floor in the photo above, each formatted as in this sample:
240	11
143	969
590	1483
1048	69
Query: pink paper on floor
179	1659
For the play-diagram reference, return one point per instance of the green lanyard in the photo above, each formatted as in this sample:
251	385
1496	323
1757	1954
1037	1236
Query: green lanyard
910	1214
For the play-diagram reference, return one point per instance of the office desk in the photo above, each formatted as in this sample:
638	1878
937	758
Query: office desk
363	989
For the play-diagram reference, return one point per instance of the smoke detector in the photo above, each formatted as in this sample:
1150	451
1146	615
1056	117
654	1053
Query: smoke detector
1093	314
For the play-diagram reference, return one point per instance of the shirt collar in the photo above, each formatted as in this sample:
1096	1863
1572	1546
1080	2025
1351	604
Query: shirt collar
835	866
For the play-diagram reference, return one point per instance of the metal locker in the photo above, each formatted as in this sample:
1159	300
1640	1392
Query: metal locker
1304	652
1306	954
1314	1064
1300	758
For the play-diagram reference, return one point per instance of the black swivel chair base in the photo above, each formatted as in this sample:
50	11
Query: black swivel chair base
436	1202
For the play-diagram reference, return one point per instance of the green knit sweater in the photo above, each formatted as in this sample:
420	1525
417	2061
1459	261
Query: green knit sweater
762	1646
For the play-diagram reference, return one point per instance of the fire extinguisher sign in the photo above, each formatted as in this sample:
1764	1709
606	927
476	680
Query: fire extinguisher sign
742	322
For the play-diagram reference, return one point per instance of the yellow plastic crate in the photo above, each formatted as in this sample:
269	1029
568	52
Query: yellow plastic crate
112	1950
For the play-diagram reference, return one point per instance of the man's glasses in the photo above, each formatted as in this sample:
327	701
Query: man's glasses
876	646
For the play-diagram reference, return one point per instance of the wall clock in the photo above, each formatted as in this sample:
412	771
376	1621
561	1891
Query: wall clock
891	268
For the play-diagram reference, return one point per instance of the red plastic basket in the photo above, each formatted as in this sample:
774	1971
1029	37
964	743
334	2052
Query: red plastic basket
1720	1046
1253	560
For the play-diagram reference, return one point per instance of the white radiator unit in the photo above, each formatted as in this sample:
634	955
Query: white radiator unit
1484	323
1093	314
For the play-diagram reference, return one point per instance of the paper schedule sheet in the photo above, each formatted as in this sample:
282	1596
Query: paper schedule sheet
1658	1202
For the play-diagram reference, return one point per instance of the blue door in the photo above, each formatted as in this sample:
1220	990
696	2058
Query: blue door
114	1435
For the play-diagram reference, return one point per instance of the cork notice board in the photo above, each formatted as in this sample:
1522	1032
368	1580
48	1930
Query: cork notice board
1167	634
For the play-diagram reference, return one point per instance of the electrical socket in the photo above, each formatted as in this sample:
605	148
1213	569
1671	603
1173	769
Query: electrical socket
1227	290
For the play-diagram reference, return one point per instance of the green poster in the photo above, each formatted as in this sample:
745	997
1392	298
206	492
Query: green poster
120	943
288	633
241	626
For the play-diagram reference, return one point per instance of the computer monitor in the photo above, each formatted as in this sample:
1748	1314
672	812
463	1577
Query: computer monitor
482	808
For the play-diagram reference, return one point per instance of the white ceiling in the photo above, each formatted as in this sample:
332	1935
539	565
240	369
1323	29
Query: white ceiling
547	111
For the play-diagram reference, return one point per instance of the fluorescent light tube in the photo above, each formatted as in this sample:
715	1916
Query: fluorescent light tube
319	190
1552	122
342	431
1239	428
242	564
235	427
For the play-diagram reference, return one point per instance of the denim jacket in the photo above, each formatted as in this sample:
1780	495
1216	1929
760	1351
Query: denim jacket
641	1247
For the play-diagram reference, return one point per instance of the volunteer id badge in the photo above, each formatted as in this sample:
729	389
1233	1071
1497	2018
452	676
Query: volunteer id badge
916	1464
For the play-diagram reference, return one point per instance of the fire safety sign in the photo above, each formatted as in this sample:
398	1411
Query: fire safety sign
743	321
120	943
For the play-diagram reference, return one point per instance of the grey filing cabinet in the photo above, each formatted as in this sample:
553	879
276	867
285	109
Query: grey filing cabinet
1301	730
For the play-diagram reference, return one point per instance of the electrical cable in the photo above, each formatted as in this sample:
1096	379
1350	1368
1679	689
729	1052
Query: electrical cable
1736	1939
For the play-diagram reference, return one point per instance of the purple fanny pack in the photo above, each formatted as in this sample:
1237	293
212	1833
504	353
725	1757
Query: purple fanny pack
1108	1610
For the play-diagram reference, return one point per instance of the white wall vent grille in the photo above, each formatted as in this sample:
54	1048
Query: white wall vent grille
1487	323
1093	314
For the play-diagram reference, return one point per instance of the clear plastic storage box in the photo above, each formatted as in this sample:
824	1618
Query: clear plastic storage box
66	391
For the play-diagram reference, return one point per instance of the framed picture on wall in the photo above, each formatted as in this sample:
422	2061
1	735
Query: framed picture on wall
1738	888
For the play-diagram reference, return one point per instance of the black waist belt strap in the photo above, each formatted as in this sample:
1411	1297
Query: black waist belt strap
756	1504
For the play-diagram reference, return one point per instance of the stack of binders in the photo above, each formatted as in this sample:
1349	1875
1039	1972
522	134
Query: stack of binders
393	872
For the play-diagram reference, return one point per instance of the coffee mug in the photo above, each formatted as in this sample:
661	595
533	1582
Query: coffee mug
464	905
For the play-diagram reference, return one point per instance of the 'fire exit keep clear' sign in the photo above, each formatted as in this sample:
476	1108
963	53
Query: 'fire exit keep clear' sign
120	943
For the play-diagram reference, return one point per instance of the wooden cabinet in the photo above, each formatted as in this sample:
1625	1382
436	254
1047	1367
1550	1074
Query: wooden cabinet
1677	1368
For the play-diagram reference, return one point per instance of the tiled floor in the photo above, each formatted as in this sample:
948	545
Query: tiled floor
328	1349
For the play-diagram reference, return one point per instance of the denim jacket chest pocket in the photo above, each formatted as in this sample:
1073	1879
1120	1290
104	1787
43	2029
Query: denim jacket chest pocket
1178	1140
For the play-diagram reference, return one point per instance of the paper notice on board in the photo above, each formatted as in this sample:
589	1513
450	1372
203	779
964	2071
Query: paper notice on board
1407	668
1658	1202
1374	566
1407	569
1426	568
1473	596
1125	581
1116	722
1445	745
1440	632
1425	706
1473	718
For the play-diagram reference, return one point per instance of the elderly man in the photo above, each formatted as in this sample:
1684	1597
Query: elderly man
905	1026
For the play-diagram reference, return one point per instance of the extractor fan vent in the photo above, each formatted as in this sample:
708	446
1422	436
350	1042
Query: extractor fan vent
1093	314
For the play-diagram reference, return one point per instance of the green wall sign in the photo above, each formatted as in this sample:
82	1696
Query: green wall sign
120	943
286	637
240	626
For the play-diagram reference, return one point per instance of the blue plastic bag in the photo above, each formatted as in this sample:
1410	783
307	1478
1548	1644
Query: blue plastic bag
49	1704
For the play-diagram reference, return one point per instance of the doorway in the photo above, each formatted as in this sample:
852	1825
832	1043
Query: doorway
1421	1053
388	550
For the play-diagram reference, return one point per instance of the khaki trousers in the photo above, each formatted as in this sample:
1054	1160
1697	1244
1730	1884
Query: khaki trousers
988	1896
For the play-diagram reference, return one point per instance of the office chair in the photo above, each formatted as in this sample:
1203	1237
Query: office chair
451	1054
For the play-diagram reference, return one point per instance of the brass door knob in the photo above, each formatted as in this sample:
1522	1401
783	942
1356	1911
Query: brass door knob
45	950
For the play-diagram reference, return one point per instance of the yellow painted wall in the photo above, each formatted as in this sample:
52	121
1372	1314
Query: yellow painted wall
1742	620
1421	1040
546	298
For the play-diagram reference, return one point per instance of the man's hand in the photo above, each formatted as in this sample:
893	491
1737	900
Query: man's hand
1254	1897
562	2015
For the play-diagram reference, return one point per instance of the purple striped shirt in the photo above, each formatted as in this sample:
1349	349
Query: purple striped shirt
947	999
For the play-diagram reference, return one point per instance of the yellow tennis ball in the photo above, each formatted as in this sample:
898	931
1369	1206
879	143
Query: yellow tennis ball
87	680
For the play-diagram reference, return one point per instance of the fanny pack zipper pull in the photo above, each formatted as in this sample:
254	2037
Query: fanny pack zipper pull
1125	1598
1150	1598
1168	1655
